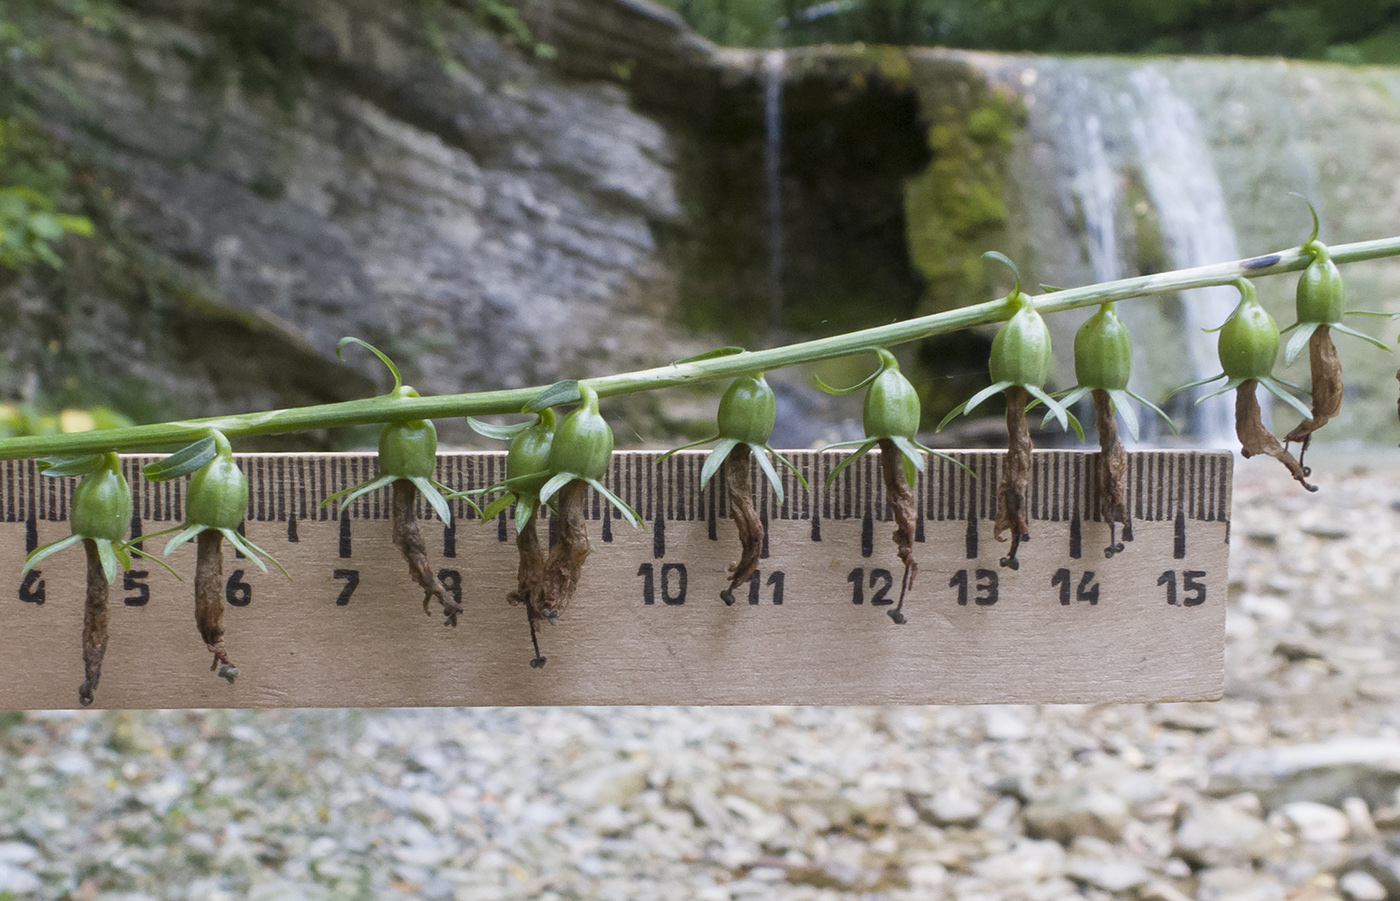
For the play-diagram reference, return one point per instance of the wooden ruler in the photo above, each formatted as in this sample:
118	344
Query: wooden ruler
647	625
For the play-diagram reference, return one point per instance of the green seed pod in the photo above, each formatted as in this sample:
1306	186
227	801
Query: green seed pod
583	442
529	450
1103	351
1021	349
218	493
748	410
408	449
891	403
1248	340
102	503
1321	292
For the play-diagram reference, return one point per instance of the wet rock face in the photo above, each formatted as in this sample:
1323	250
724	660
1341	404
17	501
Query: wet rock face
415	181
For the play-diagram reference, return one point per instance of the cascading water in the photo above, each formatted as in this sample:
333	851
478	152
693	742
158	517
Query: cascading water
1114	150
1185	189
773	64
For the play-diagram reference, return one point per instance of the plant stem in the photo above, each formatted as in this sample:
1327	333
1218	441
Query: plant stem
388	409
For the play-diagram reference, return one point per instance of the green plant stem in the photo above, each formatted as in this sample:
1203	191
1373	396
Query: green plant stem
388	409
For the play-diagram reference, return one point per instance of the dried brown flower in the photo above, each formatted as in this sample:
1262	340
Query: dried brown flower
1256	439
1326	390
94	624
408	538
564	564
1014	491
209	599
901	498
1113	471
739	483
530	579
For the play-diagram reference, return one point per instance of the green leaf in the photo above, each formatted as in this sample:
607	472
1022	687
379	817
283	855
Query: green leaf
633	518
1006	260
1298	341
864	449
801	479
108	557
552	487
434	499
499	432
58	467
498	505
183	462
562	392
1050	289
1278	391
1362	335
1155	409
715	354
186	534
716	459
1124	405
771	474
383	357
47	550
856	387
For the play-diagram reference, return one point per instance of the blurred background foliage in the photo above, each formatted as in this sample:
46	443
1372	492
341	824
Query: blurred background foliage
1354	31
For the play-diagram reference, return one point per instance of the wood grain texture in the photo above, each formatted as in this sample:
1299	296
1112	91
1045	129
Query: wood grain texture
296	646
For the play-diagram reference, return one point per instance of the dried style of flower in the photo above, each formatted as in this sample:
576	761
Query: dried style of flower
1019	366
747	412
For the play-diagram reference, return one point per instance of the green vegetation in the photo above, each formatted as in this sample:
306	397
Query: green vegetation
1340	30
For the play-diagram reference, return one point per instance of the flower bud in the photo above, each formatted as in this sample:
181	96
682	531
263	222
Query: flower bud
1321	292
529	450
1248	340
748	410
102	503
1103	351
408	449
218	495
891	403
583	442
1021	348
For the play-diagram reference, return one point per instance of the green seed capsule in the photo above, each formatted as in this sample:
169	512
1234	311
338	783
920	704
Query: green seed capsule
583	442
529	450
748	410
1248	341
408	449
218	495
1103	351
1021	349
102	503
891	403
1321	292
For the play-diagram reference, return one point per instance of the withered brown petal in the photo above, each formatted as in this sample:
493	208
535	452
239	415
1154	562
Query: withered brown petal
1014	491
94	623
408	538
1113	470
738	482
1256	439
901	497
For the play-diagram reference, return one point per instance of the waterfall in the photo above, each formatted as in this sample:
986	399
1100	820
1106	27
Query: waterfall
1185	189
773	62
1113	153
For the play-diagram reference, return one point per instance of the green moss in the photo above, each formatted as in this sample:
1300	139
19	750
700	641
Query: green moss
1151	245
954	209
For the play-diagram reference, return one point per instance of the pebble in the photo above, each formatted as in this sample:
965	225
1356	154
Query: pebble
1312	822
1359	885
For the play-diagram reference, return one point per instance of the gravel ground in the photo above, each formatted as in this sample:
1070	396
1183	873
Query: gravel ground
1285	790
